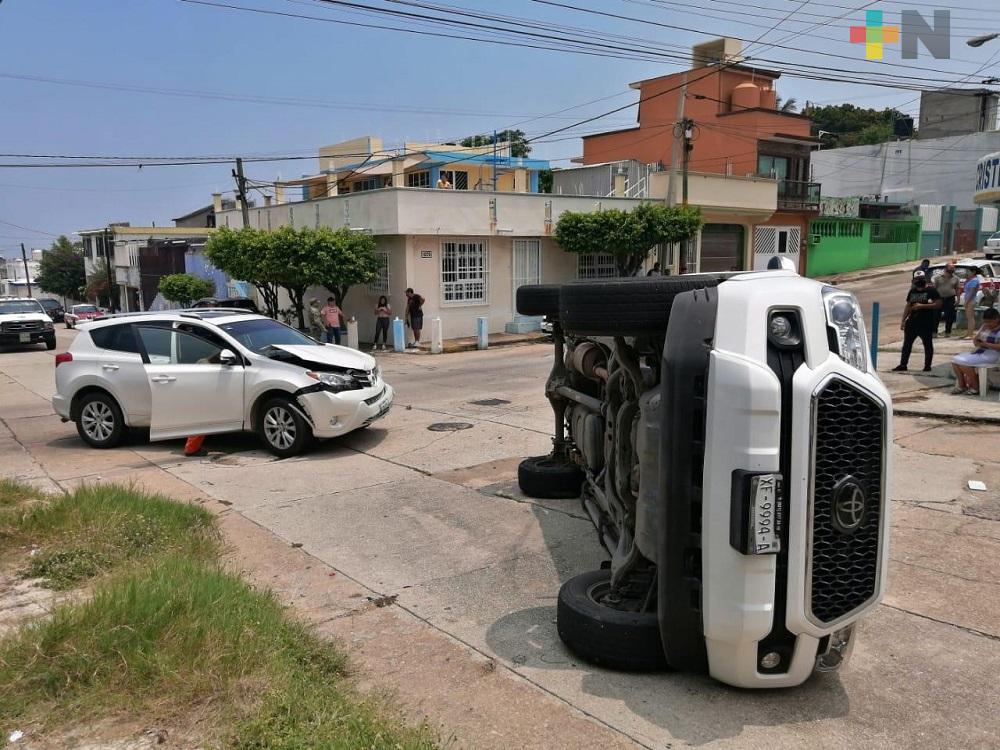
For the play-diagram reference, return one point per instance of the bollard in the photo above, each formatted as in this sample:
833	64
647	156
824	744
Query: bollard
398	335
352	333
482	335
437	344
874	343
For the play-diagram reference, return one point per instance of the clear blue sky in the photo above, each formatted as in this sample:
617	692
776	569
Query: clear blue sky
445	88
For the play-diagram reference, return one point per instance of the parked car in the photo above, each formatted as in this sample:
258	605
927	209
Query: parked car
990	269
191	373
24	321
53	308
230	303
730	441
80	314
992	247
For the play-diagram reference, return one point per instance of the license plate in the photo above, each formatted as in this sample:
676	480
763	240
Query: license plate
765	516
24	338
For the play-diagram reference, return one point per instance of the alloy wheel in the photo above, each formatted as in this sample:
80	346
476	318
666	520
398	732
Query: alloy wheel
279	427
98	420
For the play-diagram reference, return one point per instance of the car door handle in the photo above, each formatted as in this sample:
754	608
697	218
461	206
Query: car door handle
109	367
163	378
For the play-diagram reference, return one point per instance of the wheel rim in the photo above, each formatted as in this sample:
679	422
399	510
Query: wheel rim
279	427
98	420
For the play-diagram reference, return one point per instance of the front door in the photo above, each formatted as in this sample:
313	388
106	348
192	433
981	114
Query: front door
192	394
769	242
527	267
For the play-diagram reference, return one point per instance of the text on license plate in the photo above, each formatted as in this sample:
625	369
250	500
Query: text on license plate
765	514
24	338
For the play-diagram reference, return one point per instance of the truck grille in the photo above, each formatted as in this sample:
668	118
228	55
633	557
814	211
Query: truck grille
849	446
21	326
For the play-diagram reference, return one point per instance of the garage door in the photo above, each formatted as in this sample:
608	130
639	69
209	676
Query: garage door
721	248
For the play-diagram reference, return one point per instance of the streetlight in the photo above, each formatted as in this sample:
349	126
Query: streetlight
979	41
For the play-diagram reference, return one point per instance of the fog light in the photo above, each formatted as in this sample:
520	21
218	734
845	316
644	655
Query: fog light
335	422
783	329
770	660
780	327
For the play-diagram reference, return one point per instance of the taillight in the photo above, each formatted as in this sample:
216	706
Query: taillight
64	357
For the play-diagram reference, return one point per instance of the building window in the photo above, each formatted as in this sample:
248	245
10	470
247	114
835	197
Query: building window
418	179
465	269
381	284
458	180
775	167
596	266
371	183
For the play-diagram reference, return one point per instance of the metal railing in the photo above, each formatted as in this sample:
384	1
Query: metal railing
798	195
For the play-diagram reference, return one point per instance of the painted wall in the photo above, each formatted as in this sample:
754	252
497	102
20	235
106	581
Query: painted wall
837	245
196	263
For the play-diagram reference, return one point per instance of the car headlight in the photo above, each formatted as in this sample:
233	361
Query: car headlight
847	327
48	326
335	381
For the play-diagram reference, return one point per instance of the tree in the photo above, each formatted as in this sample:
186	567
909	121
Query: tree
849	125
628	235
791	104
185	288
519	145
97	288
545	181
245	255
61	269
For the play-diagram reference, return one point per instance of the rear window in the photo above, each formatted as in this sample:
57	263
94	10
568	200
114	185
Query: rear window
77	309
119	338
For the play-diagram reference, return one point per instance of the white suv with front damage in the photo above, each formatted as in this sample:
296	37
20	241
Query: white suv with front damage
730	440
207	371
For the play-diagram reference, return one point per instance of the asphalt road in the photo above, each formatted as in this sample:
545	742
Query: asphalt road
435	518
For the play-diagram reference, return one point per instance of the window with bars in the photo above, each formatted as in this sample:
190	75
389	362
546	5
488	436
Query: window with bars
458	180
465	268
381	284
596	266
418	179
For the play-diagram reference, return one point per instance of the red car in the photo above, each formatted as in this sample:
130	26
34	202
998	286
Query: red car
81	314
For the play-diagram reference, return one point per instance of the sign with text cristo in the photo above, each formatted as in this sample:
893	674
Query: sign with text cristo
988	179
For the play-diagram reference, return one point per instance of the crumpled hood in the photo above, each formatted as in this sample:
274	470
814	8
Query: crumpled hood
337	356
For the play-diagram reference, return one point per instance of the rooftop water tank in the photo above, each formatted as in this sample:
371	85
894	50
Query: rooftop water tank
745	96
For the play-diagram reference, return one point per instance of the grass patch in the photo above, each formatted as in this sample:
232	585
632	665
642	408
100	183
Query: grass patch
181	633
100	528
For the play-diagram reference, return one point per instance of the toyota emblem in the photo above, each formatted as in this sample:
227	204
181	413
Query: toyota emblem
849	505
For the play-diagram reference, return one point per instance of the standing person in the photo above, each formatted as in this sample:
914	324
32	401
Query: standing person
414	315
986	353
969	293
946	285
655	270
924	267
442	183
383	312
922	302
333	318
315	319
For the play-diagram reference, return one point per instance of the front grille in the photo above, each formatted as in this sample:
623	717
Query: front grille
849	446
374	399
365	378
22	326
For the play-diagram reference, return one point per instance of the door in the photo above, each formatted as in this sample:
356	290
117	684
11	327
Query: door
769	242
192	394
526	267
122	370
721	248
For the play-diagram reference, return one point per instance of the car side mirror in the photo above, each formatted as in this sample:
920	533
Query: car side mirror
227	358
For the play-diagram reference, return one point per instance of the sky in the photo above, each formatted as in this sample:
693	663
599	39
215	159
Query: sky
174	78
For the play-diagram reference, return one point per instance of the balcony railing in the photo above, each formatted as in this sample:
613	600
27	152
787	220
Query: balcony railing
795	195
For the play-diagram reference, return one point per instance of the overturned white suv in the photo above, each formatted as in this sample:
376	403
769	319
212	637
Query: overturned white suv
730	440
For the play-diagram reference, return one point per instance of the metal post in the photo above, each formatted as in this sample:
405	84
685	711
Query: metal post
398	335
482	333
27	274
874	340
437	342
109	258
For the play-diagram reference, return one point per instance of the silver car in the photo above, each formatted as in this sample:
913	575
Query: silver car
211	371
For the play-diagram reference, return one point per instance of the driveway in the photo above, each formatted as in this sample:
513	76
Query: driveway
424	506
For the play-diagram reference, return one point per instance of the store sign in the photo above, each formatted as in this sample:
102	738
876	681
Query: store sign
988	179
830	206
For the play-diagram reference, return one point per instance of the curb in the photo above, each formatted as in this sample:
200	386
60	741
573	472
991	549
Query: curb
965	418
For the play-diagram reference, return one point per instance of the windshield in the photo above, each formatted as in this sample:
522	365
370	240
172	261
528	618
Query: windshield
84	309
14	306
259	334
995	236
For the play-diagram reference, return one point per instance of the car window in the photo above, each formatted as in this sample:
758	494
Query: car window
119	338
77	309
260	333
156	341
15	306
205	333
195	350
172	347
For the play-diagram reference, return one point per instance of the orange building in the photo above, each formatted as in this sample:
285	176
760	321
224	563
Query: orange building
735	130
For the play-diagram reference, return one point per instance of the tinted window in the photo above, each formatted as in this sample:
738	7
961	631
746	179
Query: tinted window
119	338
12	306
49	304
156	342
167	347
260	333
195	350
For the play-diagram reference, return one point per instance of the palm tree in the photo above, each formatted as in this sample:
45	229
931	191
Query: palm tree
786	105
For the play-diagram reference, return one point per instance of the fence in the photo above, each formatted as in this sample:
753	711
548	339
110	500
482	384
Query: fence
837	245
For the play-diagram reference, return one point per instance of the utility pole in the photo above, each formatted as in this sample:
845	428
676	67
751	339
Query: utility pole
241	191
109	259
27	276
687	132
676	263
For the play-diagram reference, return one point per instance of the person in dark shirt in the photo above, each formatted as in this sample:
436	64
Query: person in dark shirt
414	315
919	320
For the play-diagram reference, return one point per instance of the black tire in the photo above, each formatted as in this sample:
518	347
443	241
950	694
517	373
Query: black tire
549	478
539	299
604	636
50	344
282	429
99	421
69	327
625	307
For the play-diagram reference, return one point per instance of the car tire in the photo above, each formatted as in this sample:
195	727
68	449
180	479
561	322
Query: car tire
539	299
50	344
625	307
282	429
546	477
99	421
605	636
